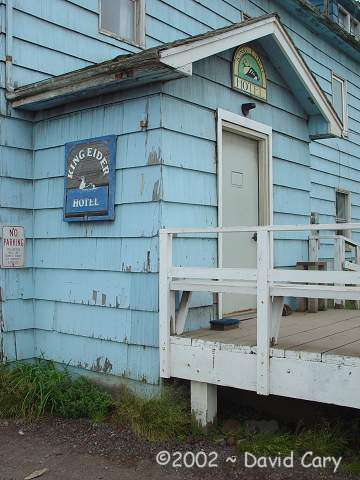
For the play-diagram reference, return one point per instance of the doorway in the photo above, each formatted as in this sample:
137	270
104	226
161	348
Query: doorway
244	196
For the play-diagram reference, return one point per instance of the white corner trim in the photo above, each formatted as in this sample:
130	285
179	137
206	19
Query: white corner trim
182	56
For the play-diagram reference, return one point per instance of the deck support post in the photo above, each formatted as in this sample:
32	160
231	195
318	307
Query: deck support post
277	307
166	303
263	313
204	402
183	312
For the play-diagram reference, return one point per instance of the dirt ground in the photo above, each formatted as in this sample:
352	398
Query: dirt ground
74	450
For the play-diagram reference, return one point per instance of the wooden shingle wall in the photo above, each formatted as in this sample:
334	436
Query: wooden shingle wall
96	292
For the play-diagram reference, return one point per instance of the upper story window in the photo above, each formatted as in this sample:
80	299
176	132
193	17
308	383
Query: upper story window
348	22
354	27
123	19
344	18
339	100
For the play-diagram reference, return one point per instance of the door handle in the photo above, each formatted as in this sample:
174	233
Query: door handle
254	237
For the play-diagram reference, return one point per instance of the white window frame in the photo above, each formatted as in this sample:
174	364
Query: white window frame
347	15
139	26
345	121
346	233
357	27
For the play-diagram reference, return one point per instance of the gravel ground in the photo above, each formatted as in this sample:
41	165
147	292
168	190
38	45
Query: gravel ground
78	449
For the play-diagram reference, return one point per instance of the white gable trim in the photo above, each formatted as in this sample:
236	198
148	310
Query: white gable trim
192	52
184	55
311	85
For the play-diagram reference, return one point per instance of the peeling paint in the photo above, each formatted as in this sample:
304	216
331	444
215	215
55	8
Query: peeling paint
103	299
156	195
94	296
147	266
125	268
154	157
142	183
99	368
82	365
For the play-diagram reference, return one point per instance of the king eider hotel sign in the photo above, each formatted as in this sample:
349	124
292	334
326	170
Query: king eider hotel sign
90	179
248	73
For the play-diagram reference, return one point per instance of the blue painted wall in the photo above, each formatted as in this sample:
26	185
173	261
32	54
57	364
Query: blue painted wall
89	296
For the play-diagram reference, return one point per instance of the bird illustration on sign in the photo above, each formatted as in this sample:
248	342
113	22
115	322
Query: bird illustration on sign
85	186
249	71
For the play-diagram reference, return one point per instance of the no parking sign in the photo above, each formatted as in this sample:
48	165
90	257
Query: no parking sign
13	246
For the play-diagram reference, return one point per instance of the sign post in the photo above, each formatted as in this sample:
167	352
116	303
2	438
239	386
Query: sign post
13	246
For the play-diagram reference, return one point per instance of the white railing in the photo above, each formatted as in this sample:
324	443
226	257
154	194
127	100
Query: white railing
342	246
268	284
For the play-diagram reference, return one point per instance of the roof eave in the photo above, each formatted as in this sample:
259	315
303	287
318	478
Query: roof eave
175	60
119	73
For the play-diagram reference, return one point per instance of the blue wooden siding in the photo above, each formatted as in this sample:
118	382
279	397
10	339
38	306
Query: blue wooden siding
334	161
96	285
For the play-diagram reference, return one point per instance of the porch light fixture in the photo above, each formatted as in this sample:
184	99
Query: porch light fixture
246	107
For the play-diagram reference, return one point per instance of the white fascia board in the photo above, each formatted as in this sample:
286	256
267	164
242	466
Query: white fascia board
309	82
181	55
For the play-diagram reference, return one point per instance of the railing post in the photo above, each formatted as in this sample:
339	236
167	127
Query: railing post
339	262
313	247
166	302
263	313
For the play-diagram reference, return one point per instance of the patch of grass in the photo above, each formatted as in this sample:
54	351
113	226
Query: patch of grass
323	440
157	419
267	444
33	390
352	467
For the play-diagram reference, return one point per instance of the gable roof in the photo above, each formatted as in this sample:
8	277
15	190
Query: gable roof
175	60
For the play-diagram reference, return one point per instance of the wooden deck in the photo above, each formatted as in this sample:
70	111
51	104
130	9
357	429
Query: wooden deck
317	357
332	332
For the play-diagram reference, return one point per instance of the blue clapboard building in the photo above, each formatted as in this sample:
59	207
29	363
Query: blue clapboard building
109	122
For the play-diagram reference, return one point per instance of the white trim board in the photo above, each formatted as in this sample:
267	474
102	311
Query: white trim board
235	366
185	54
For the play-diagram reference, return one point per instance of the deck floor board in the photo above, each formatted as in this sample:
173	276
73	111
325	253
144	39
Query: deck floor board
336	332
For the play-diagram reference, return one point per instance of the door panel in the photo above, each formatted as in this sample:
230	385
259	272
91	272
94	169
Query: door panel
240	207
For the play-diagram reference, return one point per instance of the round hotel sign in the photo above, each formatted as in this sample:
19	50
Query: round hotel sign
248	73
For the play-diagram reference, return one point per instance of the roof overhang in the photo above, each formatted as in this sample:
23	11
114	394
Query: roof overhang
323	120
176	59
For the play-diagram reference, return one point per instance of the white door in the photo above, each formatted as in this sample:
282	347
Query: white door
240	207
